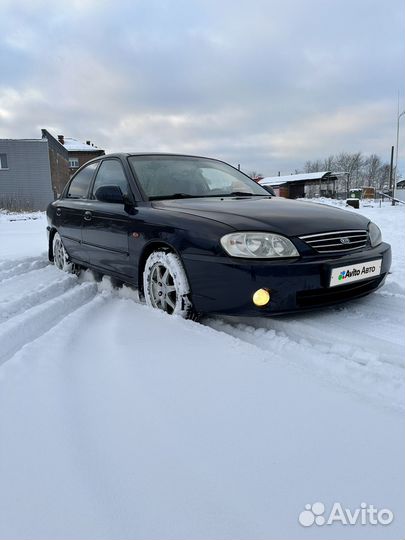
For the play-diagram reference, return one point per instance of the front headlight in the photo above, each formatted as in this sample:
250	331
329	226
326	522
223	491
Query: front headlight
258	245
374	234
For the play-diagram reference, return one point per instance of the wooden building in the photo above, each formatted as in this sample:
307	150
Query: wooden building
309	185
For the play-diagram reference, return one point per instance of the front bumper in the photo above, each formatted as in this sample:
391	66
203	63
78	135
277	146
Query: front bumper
225	285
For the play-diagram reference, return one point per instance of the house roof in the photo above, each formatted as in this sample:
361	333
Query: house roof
277	180
73	145
24	140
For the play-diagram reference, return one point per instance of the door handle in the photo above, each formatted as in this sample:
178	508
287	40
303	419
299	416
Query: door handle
59	211
87	216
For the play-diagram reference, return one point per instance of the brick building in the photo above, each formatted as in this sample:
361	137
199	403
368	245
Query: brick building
58	162
79	153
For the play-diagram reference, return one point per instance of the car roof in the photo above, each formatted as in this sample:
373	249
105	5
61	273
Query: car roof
160	154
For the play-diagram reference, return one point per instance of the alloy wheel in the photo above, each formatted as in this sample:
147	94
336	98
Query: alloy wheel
163	290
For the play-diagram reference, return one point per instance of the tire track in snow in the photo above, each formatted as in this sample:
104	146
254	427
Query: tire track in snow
24	328
329	344
42	294
6	264
381	307
356	331
20	284
314	342
15	268
326	342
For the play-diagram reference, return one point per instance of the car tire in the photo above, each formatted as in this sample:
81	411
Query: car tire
60	256
165	284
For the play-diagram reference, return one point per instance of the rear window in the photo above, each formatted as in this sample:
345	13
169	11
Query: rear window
79	186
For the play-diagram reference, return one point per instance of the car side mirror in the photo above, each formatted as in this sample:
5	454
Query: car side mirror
129	200
110	194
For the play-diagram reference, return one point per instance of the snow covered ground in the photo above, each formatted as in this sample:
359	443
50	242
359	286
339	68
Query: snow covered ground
117	421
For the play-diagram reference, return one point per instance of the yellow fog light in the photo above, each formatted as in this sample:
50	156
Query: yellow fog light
261	297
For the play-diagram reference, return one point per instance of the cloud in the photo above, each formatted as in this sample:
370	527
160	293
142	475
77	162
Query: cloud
266	83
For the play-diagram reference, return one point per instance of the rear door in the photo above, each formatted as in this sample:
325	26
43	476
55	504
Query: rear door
107	227
69	214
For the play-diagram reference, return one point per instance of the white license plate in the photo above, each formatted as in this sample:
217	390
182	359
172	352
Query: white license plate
355	272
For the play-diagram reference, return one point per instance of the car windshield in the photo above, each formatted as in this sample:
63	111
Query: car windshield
176	177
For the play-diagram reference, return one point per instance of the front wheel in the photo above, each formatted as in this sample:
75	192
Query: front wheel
166	286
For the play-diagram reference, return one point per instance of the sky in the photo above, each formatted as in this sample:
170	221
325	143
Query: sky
268	84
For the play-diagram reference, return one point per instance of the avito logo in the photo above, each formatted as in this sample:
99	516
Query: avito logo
342	275
367	514
350	273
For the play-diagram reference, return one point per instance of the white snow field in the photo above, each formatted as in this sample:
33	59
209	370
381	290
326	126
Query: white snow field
118	421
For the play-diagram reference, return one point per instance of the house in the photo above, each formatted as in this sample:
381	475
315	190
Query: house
25	174
401	184
79	153
294	186
33	172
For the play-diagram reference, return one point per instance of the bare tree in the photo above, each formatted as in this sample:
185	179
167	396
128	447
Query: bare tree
313	166
255	175
361	170
350	164
383	178
328	164
372	166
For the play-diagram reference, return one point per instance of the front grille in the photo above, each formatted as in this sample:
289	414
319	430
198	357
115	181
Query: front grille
334	295
340	241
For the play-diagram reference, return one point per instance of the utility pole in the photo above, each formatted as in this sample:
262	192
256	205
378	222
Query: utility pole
391	169
396	157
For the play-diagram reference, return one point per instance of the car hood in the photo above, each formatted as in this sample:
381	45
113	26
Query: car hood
284	216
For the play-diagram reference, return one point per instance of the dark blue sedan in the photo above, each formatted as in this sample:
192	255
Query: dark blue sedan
197	236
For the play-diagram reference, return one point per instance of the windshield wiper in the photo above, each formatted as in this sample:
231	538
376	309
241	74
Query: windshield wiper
174	196
243	194
219	195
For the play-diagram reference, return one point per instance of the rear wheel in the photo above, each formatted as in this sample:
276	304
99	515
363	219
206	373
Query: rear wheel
166	286
60	255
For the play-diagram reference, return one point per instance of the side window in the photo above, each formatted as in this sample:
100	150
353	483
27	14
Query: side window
79	186
111	173
3	161
74	162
